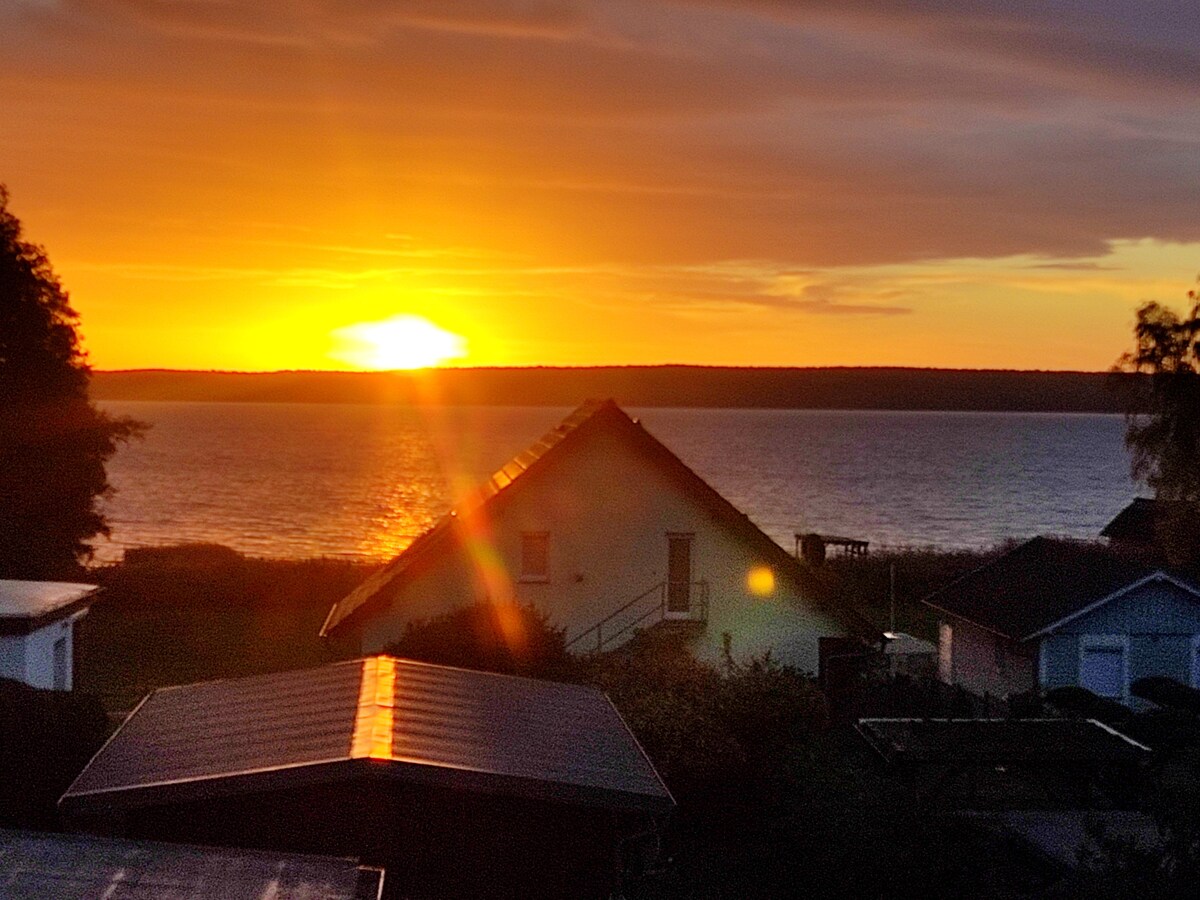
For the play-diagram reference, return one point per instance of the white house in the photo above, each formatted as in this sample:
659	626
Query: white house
605	530
37	630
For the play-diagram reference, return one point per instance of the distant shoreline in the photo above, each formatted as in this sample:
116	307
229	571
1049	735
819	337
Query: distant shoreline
851	388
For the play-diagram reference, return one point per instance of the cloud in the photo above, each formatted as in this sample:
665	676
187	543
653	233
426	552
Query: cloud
822	134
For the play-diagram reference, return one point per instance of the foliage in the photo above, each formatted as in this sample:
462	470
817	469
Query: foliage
175	615
721	738
53	441
1163	418
863	582
46	738
508	638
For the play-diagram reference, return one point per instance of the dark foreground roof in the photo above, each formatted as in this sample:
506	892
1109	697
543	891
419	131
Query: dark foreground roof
377	717
997	741
592	418
36	866
1039	584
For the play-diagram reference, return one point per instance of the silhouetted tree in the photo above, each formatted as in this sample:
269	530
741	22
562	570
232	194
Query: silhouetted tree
53	441
1163	412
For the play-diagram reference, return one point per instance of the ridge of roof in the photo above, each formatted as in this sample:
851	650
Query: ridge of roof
500	480
590	415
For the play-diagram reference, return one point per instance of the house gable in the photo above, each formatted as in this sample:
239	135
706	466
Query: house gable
1154	623
604	496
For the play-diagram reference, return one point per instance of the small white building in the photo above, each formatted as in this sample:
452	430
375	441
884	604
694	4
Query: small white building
37	630
606	531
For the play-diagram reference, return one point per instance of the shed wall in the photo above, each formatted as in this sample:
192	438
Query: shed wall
1160	621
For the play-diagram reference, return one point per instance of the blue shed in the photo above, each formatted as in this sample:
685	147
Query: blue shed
1053	613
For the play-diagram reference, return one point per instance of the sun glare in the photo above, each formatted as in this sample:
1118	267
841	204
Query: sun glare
401	342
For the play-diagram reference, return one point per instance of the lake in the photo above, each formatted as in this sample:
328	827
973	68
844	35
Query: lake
303	480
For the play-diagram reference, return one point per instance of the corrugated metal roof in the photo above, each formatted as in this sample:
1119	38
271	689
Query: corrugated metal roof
36	599
381	716
36	866
591	418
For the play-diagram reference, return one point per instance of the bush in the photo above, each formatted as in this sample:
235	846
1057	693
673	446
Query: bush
727	738
508	638
46	738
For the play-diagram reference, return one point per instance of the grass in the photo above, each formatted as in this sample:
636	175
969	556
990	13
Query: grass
176	615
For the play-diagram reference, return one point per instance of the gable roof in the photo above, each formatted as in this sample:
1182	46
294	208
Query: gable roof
592	418
1139	521
1135	522
1042	584
378	717
35	865
26	606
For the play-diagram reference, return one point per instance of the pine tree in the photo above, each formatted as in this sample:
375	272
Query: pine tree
53	441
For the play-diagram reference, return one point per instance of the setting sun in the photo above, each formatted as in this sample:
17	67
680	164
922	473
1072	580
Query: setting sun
401	342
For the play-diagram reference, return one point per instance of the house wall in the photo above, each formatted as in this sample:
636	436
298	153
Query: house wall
12	656
1160	621
982	662
30	657
608	511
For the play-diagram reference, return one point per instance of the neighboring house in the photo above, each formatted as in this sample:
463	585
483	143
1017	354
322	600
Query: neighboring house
456	782
39	866
1138	528
1053	613
605	530
37	630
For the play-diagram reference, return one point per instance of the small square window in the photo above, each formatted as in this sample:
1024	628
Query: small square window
535	556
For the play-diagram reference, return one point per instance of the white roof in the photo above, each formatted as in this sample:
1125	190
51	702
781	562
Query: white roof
34	599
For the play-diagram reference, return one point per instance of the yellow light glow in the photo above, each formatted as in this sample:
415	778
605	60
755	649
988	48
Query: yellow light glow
401	342
760	581
372	738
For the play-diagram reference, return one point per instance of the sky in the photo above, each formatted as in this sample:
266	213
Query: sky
951	183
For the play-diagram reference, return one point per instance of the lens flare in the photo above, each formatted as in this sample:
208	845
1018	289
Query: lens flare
401	342
760	581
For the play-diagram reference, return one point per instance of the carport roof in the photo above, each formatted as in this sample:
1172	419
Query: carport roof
380	716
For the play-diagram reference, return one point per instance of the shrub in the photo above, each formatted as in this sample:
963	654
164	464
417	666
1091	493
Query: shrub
508	638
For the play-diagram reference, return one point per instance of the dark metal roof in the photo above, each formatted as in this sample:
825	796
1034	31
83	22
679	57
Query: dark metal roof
378	717
592	418
998	741
1038	584
37	866
26	606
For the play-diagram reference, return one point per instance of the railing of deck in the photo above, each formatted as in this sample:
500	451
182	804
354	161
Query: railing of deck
648	607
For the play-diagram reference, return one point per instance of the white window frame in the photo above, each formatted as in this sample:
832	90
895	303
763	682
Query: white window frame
1107	642
535	577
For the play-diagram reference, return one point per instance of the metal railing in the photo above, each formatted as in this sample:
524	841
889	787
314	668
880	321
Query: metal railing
651	605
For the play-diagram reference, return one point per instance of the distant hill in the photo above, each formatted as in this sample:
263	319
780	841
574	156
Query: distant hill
689	386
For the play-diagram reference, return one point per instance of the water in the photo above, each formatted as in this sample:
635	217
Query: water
302	480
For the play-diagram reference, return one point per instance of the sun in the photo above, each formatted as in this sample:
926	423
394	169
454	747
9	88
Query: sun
401	342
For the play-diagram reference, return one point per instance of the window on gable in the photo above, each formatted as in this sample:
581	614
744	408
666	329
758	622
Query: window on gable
1103	667
535	556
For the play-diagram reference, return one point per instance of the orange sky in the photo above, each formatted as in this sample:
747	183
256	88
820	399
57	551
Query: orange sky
979	184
